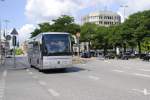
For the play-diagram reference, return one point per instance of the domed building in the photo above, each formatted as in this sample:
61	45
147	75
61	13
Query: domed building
103	18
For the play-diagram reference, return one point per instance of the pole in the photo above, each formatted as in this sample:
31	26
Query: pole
78	47
14	56
124	8
78	42
0	44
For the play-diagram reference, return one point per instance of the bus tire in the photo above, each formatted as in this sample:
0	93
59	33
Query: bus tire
41	70
31	66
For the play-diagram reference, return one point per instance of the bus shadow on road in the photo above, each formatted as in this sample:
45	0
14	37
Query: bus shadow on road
63	70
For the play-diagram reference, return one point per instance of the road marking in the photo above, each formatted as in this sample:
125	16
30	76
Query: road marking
27	70
120	71
53	92
2	93
1	89
146	70
94	77
145	91
30	73
127	67
35	77
107	61
1	97
42	83
143	75
5	73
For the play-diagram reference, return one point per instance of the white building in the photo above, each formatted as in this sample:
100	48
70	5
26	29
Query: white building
103	18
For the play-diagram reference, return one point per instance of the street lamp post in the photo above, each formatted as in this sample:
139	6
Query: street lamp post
6	27
0	40
5	36
14	34
124	14
0	43
124	8
78	42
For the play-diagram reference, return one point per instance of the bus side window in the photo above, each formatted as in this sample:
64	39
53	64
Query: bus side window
35	46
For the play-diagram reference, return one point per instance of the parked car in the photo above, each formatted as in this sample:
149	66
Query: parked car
109	56
146	57
85	55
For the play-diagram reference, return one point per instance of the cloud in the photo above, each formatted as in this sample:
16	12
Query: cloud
24	32
43	10
46	10
135	6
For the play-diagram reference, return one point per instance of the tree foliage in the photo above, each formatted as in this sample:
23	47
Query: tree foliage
130	34
62	24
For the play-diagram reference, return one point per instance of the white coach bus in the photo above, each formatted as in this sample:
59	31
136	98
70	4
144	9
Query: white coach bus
50	50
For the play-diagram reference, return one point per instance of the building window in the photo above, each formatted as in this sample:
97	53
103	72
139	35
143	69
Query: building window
100	22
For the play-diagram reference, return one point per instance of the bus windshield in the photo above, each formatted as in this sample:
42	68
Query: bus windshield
56	44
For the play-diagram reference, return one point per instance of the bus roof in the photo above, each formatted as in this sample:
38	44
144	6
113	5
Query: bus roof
54	33
44	33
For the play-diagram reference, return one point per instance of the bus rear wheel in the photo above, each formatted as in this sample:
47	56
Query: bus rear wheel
31	66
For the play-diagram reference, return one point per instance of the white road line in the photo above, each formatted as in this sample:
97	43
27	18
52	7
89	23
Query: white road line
35	77
27	70
1	90
30	73
120	71
5	73
53	92
107	61
94	77
146	70
127	67
143	75
1	97
42	83
145	91
2	93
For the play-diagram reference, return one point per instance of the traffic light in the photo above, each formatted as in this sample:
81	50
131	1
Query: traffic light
14	40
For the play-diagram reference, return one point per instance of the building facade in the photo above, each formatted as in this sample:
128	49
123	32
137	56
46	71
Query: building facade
103	18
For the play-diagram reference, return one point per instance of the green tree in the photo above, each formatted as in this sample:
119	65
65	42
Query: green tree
138	26
62	24
88	31
19	51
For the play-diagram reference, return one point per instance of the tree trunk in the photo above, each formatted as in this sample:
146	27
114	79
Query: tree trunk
105	49
89	46
132	48
139	46
124	47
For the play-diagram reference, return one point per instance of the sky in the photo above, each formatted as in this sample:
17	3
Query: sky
24	15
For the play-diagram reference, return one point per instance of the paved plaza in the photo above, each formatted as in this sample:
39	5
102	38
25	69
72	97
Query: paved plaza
96	79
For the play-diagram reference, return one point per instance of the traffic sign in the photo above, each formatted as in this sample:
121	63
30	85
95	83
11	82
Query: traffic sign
14	32
14	40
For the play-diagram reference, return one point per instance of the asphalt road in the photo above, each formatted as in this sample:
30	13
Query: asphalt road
94	80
